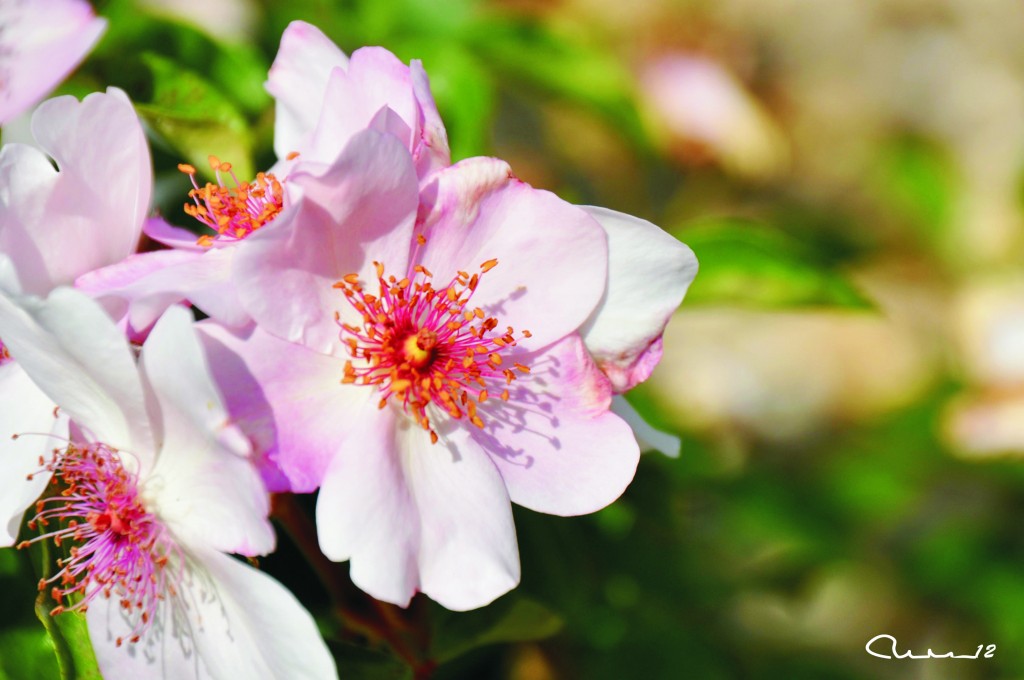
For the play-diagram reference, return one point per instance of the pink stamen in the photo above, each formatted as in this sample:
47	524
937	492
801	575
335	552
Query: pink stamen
119	549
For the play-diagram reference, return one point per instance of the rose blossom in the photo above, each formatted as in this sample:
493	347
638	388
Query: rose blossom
423	356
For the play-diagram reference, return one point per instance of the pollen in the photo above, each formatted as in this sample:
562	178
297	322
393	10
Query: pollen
233	212
5	356
425	347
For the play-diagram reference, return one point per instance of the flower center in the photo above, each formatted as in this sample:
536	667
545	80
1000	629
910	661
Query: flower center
427	346
119	548
5	356
233	212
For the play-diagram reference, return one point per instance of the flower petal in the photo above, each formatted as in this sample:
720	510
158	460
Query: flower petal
40	44
272	386
297	81
27	412
649	272
556	444
90	214
71	349
158	229
433	153
145	285
207	488
242	624
366	512
411	515
362	209
374	79
647	437
552	257
468	552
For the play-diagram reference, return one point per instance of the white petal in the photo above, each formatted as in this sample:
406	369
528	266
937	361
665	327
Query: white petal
411	515
648	274
468	553
71	349
365	511
204	485
649	438
240	624
27	412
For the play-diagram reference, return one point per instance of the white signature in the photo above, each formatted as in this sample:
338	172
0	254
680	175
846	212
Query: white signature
990	651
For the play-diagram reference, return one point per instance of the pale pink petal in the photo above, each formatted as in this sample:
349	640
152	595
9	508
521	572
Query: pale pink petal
552	256
374	79
366	512
468	552
75	353
647	437
206	487
556	444
272	386
41	42
432	153
362	209
158	229
297	81
27	412
649	273
411	515
240	623
143	286
94	211
27	178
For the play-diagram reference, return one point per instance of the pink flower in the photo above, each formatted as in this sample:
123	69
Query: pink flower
157	487
55	225
322	98
40	43
426	364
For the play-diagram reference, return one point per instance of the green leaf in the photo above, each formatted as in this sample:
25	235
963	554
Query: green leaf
510	619
742	263
26	652
70	637
67	631
195	120
359	663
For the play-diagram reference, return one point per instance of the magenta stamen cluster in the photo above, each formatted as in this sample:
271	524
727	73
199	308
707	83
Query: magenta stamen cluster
425	345
5	356
114	546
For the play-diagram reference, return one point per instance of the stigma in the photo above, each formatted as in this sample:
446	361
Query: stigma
427	349
233	212
113	546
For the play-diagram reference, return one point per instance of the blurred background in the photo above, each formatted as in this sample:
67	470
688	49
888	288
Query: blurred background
847	372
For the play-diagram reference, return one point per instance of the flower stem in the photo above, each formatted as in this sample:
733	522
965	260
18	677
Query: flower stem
356	610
